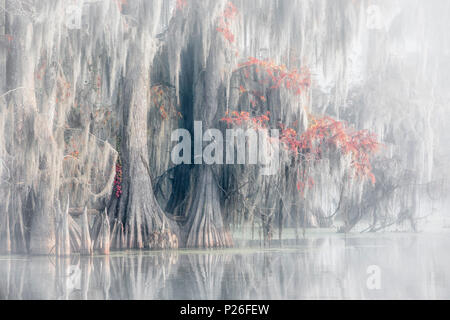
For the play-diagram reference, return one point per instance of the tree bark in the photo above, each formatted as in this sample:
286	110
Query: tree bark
86	245
205	222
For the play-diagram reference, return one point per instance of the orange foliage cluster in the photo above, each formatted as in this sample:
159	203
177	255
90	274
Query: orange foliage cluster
236	118
71	150
257	95
302	186
101	115
326	131
159	98
118	180
230	11
323	132
293	80
120	4
181	4
74	154
228	16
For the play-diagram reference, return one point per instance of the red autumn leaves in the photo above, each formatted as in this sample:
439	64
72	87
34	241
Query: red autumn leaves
236	118
225	21
323	134
118	180
181	4
161	101
224	25
311	145
294	80
121	4
327	132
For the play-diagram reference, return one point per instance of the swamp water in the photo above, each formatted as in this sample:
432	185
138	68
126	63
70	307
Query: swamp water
330	266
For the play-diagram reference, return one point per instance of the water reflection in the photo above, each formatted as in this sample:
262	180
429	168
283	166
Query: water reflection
412	267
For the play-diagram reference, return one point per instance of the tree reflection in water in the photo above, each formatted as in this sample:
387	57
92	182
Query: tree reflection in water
413	266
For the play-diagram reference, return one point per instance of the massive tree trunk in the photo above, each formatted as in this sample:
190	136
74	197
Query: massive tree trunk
32	145
137	207
206	228
205	68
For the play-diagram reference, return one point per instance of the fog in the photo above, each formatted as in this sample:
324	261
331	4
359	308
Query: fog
91	92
